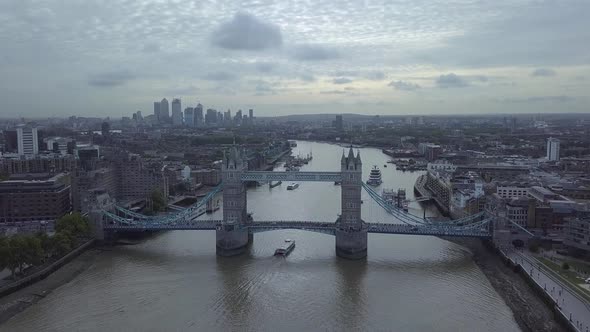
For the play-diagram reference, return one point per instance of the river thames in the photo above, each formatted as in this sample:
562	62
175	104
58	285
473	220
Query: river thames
175	282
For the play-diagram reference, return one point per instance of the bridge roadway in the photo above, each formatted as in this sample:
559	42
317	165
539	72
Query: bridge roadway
314	226
263	176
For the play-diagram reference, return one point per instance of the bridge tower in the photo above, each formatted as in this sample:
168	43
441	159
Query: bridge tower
351	231
232	237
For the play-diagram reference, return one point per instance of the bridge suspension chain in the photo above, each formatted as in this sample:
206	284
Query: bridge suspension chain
411	219
174	216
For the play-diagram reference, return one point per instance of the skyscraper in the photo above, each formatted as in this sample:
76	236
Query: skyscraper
189	117
199	118
28	143
338	123
227	117
553	149
238	118
157	111
211	116
176	112
251	114
164	111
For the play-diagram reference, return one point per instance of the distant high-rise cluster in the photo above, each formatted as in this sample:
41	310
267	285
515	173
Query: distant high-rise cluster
195	116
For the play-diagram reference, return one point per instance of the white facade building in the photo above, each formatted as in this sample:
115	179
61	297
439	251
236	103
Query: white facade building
553	149
28	143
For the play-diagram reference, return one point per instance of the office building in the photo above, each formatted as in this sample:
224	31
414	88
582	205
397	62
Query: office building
211	116
176	112
157	111
553	149
338	123
28	143
199	117
34	198
227	117
164	111
238	118
189	117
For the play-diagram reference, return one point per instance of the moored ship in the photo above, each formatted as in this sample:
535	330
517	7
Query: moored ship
374	177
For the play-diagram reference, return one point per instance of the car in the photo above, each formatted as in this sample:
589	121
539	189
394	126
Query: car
587	280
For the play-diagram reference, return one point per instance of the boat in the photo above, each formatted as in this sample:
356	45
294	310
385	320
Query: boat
286	248
374	177
272	185
293	186
384	165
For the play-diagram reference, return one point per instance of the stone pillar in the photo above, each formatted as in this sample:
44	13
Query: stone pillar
351	231
96	224
232	236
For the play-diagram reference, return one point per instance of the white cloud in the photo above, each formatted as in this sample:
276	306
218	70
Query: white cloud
543	72
314	53
404	86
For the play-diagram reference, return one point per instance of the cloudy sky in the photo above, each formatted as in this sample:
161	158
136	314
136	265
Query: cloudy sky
110	58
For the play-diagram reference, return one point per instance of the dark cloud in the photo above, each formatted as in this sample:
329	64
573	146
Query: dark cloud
307	78
543	72
314	53
151	48
265	67
341	80
246	32
404	86
219	76
110	79
451	81
537	99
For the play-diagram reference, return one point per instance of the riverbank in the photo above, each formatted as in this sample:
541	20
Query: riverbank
528	307
16	302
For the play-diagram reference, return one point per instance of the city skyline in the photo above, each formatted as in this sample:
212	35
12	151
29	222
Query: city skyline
365	58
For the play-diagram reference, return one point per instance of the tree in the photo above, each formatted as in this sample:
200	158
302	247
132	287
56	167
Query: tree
565	266
46	243
74	223
158	200
33	252
61	244
15	257
3	253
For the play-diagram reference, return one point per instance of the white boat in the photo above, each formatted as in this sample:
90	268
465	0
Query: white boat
374	177
286	248
293	186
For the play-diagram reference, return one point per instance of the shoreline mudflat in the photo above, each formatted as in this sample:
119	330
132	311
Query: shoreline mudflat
529	310
13	304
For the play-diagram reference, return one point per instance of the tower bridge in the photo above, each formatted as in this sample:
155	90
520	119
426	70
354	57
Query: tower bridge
235	231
